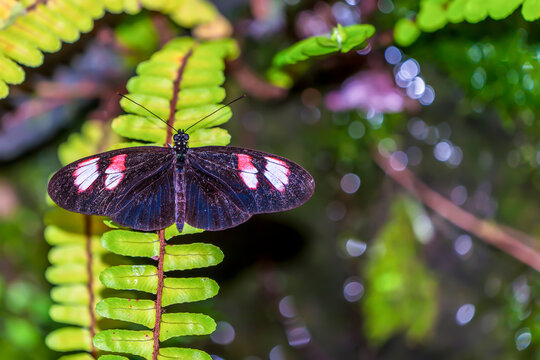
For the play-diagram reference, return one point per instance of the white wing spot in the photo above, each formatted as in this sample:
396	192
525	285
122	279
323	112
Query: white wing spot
247	171
115	171
85	174
113	180
277	172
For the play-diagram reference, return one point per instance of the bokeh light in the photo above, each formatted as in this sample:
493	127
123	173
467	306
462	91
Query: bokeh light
353	290
224	333
465	314
350	183
355	247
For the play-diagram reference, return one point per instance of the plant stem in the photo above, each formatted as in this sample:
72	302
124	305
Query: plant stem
90	282
174	99
159	292
519	245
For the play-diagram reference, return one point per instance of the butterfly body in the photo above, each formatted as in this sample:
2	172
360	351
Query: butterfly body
149	188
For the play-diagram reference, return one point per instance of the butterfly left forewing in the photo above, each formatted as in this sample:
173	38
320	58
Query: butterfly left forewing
133	186
227	185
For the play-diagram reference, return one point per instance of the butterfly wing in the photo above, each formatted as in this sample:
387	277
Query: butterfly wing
224	186
132	186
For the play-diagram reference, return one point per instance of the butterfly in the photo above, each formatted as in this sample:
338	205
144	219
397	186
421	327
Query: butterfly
151	187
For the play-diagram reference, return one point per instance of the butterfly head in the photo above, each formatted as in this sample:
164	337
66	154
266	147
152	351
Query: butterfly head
180	139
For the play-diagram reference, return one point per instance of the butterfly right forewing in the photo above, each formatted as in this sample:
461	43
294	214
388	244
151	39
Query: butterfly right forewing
226	185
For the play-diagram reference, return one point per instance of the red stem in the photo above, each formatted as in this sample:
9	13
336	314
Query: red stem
90	283
519	245
159	293
174	100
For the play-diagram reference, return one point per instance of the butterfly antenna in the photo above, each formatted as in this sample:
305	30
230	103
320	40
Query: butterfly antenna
145	108
213	112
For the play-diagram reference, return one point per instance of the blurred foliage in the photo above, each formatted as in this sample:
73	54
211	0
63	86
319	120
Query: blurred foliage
401	293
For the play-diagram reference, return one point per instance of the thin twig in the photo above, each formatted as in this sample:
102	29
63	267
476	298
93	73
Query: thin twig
515	243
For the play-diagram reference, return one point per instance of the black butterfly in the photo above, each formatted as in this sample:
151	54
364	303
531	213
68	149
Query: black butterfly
150	187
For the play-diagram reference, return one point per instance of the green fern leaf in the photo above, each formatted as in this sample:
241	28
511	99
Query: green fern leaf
531	10
69	339
79	356
342	39
139	343
10	72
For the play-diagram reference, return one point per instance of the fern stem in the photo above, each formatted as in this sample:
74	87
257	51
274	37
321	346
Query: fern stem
90	282
159	292
34	5
174	99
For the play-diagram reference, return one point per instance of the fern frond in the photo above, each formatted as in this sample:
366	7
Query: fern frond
341	39
75	241
181	83
25	34
435	15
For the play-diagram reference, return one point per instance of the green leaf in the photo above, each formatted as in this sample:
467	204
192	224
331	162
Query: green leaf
112	357
94	9
70	314
206	137
456	11
4	89
172	230
500	9
131	243
79	356
71	294
182	324
56	23
191	256
406	32
76	16
34	35
177	291
531	10
67	274
182	353
73	253
10	72
432	16
190	13
130	277
19	50
139	343
153	130
476	10
55	235
69	339
134	310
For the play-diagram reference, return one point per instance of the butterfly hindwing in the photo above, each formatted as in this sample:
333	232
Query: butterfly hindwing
132	186
226	185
